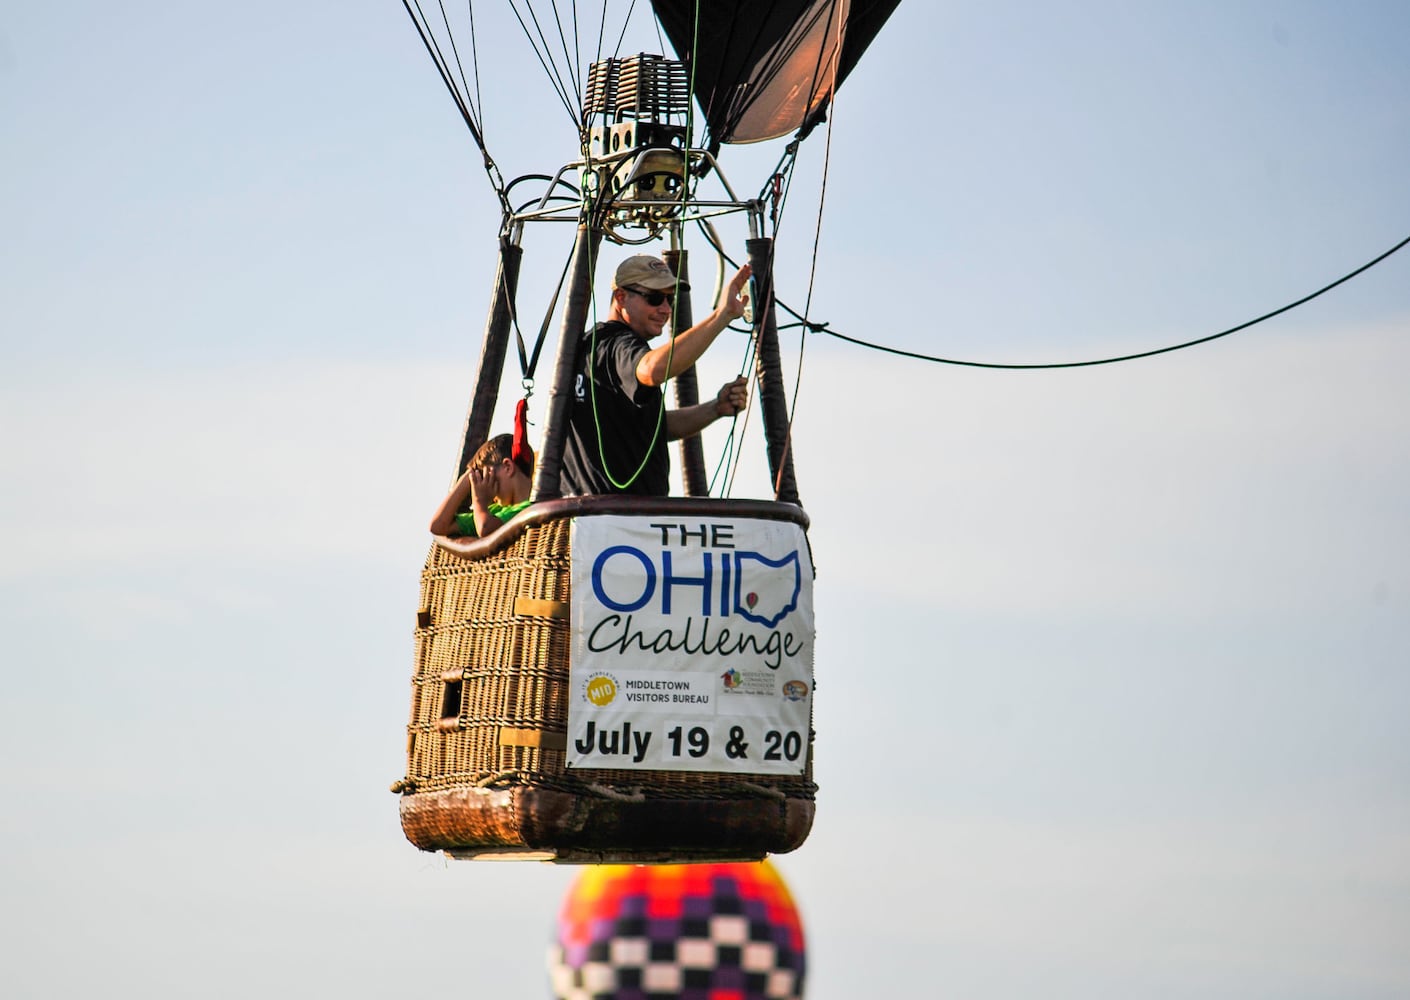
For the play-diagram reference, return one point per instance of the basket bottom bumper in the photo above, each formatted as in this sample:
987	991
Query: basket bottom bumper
535	823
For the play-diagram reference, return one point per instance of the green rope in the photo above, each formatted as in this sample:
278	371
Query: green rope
675	298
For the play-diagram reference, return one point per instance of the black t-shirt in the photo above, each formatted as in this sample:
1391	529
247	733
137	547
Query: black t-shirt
630	415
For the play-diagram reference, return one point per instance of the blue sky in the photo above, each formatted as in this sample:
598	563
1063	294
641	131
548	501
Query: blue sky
1112	661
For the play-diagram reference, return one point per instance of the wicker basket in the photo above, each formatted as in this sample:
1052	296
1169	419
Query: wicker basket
486	773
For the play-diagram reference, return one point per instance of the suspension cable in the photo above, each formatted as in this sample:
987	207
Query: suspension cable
555	77
822	328
813	262
462	101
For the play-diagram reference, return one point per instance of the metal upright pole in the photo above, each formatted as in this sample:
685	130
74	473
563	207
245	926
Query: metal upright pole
769	370
687	387
549	471
497	326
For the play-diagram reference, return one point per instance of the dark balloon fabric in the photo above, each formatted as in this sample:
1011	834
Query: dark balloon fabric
762	70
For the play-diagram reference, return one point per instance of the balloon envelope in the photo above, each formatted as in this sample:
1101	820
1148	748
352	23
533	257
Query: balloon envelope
695	932
762	70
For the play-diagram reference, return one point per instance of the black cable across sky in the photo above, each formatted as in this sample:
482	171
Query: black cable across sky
822	328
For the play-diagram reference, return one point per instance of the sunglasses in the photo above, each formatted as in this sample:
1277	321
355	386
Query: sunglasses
653	298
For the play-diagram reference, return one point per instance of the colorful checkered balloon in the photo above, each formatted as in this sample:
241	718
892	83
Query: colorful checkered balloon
683	932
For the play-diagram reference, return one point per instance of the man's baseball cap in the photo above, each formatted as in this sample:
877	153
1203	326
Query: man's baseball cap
645	271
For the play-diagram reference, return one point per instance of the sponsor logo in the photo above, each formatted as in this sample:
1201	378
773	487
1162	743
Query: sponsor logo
748	682
600	689
795	690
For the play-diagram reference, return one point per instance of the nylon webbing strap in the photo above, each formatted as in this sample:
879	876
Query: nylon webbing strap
528	364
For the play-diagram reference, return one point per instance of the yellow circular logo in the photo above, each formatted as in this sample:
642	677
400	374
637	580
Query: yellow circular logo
600	690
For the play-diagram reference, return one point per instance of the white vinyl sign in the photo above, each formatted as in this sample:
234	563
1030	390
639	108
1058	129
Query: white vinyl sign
692	645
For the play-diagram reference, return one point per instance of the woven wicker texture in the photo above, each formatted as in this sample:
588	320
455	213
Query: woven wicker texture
485	758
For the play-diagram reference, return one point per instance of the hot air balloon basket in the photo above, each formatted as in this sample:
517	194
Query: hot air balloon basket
486	742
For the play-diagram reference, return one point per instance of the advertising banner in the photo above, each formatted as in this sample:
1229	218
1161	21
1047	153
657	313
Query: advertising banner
692	645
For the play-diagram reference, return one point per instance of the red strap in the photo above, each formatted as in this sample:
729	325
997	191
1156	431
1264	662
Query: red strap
521	453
